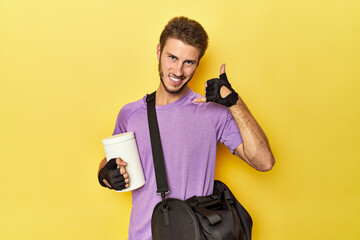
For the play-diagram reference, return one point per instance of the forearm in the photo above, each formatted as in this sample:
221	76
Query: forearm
255	148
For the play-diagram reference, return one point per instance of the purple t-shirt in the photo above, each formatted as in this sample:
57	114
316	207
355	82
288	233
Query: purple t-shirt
189	134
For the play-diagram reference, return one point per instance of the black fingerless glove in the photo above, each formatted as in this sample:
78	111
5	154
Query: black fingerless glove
112	175
213	91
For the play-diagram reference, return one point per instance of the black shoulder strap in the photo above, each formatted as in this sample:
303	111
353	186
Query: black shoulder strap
157	151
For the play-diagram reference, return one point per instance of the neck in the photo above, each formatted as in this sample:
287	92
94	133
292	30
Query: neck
163	97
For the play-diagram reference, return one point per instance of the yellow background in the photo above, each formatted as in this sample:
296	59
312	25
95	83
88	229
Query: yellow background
67	67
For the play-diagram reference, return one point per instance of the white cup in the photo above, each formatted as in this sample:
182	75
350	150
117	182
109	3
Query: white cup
124	146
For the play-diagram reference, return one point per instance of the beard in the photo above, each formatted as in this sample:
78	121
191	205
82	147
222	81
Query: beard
161	75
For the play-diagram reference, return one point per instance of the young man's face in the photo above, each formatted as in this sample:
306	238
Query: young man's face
177	64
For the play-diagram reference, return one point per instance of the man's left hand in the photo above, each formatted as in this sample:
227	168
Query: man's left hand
219	90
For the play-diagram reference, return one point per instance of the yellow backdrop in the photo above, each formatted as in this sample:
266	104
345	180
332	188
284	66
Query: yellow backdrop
67	67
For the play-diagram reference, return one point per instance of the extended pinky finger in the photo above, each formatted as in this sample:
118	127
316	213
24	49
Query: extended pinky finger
199	100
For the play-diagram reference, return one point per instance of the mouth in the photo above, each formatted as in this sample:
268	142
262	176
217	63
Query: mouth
176	80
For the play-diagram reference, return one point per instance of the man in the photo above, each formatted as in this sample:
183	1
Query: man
190	128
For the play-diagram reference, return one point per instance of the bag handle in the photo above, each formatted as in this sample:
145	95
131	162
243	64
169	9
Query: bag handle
157	151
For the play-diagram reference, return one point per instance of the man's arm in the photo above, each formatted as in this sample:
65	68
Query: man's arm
254	149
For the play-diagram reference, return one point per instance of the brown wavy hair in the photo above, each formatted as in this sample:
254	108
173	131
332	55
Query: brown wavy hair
187	30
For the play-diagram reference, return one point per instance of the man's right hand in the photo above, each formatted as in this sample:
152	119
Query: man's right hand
113	174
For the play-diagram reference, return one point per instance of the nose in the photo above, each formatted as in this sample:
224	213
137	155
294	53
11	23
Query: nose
178	70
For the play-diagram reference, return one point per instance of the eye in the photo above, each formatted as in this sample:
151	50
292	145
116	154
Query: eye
172	57
188	62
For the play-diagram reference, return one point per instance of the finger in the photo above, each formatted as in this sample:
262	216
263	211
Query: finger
119	185
126	178
199	100
122	170
120	162
222	69
205	85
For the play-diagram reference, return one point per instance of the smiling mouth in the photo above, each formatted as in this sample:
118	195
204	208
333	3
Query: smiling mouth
175	80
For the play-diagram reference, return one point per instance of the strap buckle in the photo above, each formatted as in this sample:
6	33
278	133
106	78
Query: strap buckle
163	194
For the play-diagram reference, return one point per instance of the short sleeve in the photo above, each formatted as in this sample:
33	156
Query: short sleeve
120	125
226	129
230	135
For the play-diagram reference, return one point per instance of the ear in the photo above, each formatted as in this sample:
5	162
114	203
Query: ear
158	51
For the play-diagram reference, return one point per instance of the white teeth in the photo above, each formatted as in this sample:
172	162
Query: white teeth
175	79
